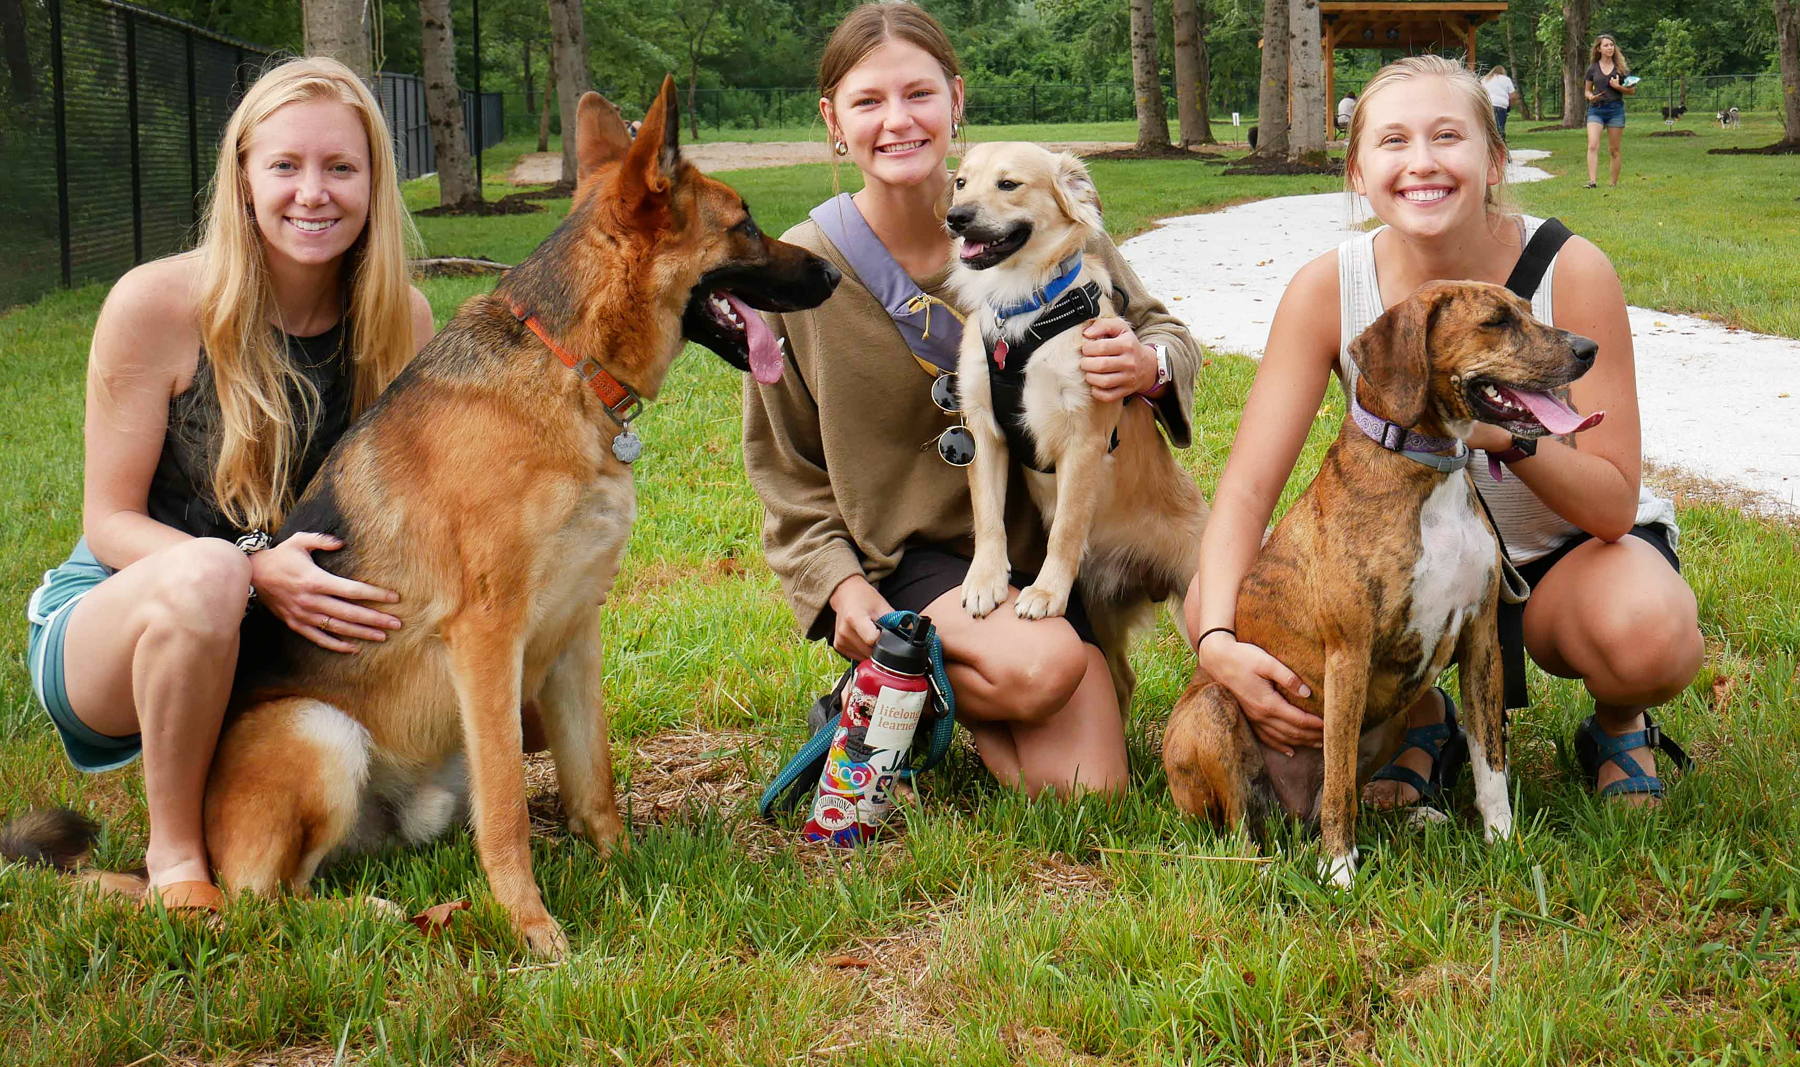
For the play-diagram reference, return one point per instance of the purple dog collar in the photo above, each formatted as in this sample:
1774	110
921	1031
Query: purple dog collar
1414	446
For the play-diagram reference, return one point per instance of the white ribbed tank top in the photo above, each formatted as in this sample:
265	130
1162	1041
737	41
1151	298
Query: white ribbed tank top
1531	530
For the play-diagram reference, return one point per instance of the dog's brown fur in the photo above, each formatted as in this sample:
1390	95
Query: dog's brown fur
1332	594
483	488
1126	524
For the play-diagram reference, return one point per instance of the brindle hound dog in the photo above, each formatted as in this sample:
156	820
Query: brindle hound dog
1385	570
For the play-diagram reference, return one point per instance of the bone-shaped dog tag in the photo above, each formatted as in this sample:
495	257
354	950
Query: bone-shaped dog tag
1000	351
627	446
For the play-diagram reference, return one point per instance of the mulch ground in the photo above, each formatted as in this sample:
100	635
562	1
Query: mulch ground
512	204
1779	148
1674	133
1265	167
558	191
1197	152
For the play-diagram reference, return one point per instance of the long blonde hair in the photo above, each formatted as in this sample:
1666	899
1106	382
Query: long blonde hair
1620	66
1458	78
260	437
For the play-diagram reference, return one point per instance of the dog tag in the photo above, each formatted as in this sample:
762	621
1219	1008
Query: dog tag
627	446
957	446
1000	351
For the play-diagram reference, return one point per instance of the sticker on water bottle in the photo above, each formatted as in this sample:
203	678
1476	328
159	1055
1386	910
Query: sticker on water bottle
894	718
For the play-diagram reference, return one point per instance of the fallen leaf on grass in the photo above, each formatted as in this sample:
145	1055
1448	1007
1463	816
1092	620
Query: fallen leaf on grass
847	961
437	917
1722	688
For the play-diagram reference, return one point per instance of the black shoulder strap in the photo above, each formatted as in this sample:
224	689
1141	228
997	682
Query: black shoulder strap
1535	259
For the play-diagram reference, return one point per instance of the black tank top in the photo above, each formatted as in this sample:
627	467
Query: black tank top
180	489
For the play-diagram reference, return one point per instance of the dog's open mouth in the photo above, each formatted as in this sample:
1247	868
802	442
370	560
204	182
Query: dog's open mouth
1526	412
721	321
980	255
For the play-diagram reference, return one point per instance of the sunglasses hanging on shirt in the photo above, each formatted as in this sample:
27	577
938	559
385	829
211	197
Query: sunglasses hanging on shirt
956	446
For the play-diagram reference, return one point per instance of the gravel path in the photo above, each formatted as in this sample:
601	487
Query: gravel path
1718	403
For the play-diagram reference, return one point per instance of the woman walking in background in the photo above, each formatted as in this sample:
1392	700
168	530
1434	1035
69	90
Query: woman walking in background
1502	94
1605	84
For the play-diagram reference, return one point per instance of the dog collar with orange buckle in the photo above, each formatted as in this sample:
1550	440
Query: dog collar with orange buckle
620	400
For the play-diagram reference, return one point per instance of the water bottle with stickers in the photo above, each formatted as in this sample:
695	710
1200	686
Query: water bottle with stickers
882	704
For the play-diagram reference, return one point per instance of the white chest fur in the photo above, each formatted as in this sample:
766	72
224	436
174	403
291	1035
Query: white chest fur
1457	554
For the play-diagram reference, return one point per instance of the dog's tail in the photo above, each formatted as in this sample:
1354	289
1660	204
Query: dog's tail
48	837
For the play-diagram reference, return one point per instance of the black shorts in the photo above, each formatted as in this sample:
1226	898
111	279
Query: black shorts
927	572
1512	616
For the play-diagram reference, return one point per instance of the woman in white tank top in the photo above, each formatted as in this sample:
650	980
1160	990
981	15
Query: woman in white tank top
1608	606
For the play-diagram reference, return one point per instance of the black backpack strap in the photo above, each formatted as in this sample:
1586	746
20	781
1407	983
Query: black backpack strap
1535	259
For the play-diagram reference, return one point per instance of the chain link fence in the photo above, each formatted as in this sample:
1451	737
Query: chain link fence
110	118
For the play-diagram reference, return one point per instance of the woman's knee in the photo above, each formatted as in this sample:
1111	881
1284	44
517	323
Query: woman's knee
201	587
1034	681
1648	641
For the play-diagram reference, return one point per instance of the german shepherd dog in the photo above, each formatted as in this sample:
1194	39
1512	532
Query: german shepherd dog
488	486
1122	515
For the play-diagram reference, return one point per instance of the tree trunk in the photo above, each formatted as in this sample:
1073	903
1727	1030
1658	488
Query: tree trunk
697	46
1272	94
1146	78
1512	68
530	83
1787	37
443	104
1576	14
18	51
338	28
569	58
1306	136
544	108
1190	75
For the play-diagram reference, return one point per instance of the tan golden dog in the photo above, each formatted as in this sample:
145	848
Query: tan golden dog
1383	572
1123	518
491	487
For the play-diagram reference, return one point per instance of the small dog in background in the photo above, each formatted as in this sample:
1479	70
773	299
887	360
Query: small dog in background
1122	515
1670	114
1728	117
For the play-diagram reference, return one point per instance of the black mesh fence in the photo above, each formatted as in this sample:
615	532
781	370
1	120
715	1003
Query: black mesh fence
110	118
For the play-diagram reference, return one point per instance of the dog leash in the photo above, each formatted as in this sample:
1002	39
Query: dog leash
793	783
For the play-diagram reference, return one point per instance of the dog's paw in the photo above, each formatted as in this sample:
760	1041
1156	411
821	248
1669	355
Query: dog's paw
605	831
1499	827
1340	871
544	937
1041	602
983	590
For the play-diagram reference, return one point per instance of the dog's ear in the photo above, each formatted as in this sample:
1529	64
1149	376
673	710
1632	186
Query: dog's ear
1074	190
1393	358
600	134
655	157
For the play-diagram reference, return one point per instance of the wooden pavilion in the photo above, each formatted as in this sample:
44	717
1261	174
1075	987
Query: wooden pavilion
1414	25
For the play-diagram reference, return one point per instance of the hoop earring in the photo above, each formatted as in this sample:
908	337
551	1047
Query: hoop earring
841	148
955	127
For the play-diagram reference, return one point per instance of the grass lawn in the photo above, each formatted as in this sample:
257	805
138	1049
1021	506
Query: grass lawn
996	930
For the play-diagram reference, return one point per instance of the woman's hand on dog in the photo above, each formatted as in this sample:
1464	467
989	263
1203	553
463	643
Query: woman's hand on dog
313	602
1116	363
857	605
1259	680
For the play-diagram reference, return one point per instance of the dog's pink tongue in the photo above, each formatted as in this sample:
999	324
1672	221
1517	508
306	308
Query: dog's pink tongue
971	249
765	351
1557	417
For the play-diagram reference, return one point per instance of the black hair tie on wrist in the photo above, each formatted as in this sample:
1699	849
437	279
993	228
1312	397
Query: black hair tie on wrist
1214	630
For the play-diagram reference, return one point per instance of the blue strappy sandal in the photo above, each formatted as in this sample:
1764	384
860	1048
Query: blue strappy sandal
1595	748
1448	748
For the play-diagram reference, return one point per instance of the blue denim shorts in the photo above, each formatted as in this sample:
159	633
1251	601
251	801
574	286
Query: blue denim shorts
1610	115
48	614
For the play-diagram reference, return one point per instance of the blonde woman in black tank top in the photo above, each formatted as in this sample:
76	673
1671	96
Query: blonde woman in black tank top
1611	610
296	302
